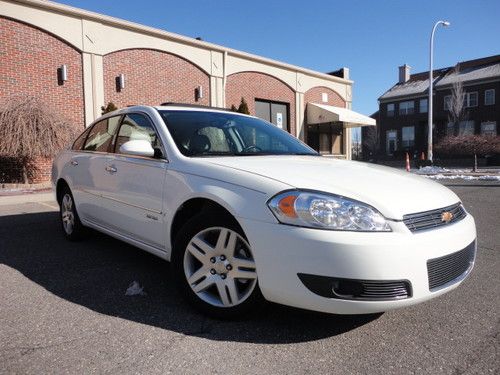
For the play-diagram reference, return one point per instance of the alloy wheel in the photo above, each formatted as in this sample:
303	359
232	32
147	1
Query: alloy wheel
219	267
67	214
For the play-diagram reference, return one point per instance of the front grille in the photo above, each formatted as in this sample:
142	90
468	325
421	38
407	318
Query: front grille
450	267
433	219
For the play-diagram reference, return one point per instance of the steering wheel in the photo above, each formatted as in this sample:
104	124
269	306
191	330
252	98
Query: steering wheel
251	147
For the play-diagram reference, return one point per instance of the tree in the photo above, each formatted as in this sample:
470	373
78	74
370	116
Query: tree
29	130
370	142
109	108
233	108
356	143
456	112
243	108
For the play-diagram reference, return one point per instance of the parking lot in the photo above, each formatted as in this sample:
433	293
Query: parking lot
63	308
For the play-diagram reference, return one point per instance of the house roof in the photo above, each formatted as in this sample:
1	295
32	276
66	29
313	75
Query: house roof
466	71
412	87
471	74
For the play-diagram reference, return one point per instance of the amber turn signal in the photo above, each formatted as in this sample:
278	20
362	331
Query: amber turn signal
286	206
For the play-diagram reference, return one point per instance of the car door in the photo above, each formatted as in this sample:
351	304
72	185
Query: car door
89	170
134	184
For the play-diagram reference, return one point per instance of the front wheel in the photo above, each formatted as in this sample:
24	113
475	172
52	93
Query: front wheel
214	266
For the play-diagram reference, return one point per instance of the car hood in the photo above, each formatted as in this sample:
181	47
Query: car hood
393	192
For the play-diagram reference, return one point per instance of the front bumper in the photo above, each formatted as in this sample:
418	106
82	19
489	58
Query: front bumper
282	252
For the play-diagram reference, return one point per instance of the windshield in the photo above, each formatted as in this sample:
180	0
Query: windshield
201	134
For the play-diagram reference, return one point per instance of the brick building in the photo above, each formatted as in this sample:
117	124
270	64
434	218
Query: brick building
111	60
402	116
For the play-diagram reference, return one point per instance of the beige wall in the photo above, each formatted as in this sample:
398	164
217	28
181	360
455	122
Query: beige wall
96	35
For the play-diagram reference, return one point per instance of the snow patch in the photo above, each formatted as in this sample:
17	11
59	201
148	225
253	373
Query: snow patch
134	289
431	170
462	177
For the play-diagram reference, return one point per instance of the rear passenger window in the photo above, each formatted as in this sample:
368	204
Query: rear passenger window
101	135
137	127
78	144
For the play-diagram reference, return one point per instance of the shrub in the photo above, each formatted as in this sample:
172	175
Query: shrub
29	130
243	108
468	145
109	108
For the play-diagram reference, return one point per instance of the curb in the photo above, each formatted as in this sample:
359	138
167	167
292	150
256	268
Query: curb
7	200
16	186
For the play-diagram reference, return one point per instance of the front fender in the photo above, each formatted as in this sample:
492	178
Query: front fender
239	201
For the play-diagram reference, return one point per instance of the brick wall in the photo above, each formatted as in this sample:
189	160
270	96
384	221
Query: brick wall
315	95
252	85
152	77
29	59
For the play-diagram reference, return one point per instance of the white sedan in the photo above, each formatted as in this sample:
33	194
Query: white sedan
245	213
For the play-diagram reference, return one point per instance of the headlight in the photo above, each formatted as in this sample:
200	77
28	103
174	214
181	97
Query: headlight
326	211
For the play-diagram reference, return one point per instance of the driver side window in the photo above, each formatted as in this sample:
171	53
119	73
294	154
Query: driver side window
137	127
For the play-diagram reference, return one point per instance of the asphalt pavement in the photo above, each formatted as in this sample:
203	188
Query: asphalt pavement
63	309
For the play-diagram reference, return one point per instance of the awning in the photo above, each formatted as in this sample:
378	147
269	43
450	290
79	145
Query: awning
321	113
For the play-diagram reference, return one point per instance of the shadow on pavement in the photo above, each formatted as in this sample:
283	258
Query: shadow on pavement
96	273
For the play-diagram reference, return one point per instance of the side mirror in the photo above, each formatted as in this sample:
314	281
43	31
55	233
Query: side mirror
138	147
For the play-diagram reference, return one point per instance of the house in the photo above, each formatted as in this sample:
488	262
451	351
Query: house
403	109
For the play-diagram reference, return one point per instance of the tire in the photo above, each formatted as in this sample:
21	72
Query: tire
72	227
214	268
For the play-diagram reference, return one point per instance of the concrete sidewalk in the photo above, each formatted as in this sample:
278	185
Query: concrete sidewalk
44	197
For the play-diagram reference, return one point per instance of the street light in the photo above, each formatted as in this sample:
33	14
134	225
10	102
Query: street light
429	131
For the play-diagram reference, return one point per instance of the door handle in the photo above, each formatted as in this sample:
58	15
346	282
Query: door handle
74	162
111	169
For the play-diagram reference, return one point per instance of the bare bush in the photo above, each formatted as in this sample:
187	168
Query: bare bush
29	129
469	145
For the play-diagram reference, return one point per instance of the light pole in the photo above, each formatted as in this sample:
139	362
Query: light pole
429	130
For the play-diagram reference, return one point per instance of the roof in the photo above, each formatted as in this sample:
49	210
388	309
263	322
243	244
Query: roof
195	108
465	71
412	87
471	74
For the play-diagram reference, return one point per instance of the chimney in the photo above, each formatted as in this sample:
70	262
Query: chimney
342	73
404	73
345	72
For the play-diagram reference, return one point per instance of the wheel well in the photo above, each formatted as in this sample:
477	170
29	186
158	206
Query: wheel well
61	184
192	207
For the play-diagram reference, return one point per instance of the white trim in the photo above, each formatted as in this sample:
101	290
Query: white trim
494	94
407	108
467	99
494	123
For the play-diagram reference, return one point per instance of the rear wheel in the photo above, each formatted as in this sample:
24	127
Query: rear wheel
72	227
214	266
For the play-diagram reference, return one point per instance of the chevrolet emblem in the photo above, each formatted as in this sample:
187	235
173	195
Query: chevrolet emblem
446	216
